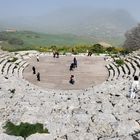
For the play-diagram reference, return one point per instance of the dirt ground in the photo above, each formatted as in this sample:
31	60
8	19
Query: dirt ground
55	74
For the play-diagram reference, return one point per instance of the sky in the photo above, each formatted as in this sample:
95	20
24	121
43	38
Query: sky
33	8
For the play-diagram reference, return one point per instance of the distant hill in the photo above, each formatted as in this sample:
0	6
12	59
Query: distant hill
92	25
33	39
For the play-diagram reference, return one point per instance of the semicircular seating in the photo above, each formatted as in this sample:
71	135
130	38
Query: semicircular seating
129	69
10	68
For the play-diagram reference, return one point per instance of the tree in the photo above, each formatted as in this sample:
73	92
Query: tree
97	48
132	41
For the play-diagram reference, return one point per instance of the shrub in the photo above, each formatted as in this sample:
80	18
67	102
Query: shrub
113	50
24	129
125	51
119	62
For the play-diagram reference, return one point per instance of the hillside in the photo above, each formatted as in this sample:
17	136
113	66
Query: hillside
32	39
92	25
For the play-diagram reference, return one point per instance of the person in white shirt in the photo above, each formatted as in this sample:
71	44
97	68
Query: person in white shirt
134	87
37	58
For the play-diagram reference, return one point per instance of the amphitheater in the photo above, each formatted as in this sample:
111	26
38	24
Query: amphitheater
101	111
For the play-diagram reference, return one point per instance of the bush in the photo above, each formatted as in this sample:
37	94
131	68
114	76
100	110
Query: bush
125	51
119	62
24	129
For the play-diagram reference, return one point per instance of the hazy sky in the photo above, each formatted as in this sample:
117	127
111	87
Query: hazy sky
10	8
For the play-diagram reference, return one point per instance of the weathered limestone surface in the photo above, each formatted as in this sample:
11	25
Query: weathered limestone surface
40	137
103	112
7	137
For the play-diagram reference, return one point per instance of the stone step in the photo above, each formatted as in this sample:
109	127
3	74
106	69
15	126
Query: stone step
113	70
110	71
116	70
4	58
129	72
134	63
21	69
3	55
133	66
129	65
2	65
13	67
122	72
6	68
137	64
126	70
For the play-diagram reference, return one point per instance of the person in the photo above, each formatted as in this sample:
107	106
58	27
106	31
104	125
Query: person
71	66
75	62
89	53
34	71
38	76
134	87
37	58
54	54
57	54
72	50
72	79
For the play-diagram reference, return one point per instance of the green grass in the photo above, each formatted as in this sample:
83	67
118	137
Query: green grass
24	129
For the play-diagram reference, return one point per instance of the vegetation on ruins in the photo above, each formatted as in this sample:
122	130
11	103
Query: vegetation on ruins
119	62
24	129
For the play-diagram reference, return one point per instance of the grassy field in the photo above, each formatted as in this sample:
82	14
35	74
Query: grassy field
28	40
32	38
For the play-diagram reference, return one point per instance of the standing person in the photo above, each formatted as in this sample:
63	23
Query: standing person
71	66
75	62
72	50
37	58
34	71
57	54
72	80
134	87
38	76
87	52
54	54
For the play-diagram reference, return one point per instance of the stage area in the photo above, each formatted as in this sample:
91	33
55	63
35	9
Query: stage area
55	74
